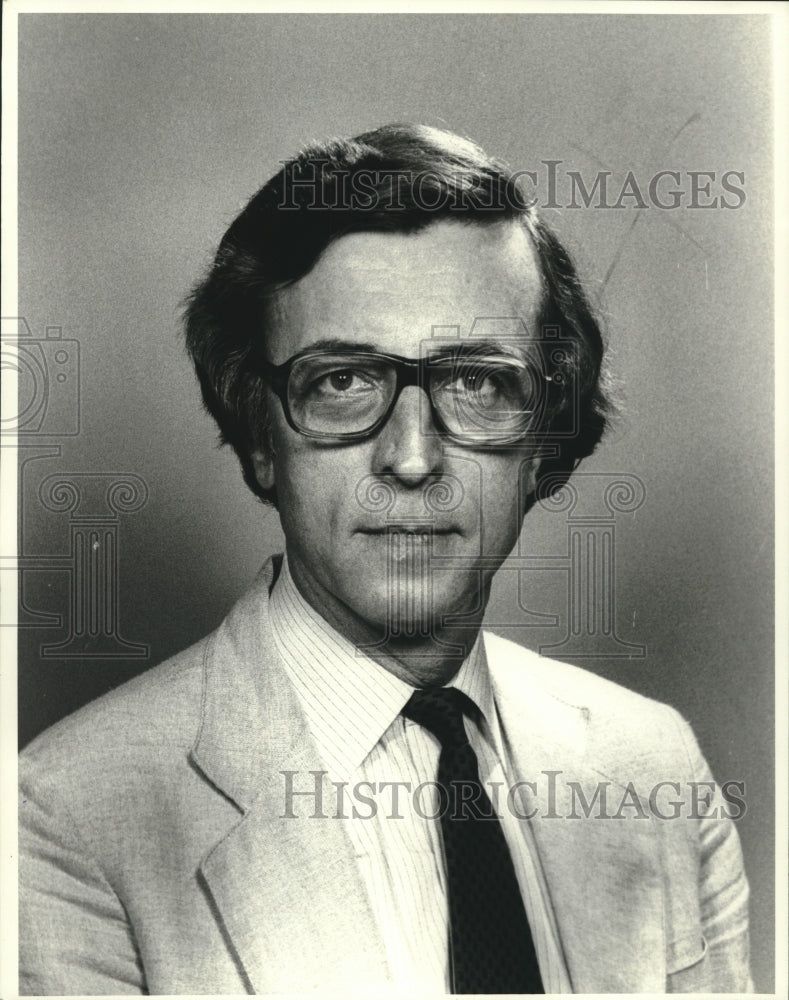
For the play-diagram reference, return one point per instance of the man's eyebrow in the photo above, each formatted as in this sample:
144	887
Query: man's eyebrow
333	344
514	348
464	345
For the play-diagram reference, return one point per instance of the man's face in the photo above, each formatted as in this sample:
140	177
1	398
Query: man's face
405	526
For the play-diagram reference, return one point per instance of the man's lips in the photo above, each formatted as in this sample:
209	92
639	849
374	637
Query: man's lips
407	529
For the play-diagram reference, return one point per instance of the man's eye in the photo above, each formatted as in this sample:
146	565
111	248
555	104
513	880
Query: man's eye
475	382
344	381
480	383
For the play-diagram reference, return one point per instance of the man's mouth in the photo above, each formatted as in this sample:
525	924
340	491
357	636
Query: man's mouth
409	545
407	529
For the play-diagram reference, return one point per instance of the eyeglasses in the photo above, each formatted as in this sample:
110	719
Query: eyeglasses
475	398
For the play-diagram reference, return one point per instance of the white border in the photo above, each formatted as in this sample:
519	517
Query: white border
778	13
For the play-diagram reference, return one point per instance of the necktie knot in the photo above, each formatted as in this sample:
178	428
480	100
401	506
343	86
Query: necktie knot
440	710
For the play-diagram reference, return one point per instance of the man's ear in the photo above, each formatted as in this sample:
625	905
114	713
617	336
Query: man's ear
530	467
263	464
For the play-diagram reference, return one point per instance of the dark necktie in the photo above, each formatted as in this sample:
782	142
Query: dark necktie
490	943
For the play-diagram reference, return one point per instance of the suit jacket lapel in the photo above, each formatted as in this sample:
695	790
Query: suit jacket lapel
287	888
603	874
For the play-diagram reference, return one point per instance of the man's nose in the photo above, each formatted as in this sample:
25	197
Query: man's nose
408	446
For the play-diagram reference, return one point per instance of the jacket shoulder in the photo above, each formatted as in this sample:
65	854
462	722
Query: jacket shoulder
623	729
156	709
565	681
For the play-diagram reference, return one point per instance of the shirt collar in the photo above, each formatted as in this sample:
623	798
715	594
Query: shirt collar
473	680
350	700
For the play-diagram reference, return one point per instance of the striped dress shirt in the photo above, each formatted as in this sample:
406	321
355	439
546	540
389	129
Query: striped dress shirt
386	766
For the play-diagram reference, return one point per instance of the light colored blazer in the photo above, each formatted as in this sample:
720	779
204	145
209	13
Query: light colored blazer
154	855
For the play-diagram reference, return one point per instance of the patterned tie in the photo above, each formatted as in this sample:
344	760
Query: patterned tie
490	943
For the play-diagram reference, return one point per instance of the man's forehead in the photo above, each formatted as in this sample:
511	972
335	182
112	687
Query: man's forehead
448	274
443	250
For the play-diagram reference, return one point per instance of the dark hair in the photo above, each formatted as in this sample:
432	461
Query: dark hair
398	178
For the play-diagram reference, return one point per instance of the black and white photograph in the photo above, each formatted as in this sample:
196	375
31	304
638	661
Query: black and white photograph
393	604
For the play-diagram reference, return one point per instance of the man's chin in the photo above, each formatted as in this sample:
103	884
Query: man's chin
415	609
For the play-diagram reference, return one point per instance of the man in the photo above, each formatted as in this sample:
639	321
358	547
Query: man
348	787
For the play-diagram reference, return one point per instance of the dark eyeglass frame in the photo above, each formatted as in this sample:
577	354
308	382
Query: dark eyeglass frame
408	371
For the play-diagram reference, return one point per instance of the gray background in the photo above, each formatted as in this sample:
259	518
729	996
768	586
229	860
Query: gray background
140	137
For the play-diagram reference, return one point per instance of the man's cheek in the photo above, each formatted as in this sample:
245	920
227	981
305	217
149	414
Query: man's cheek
500	506
317	493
